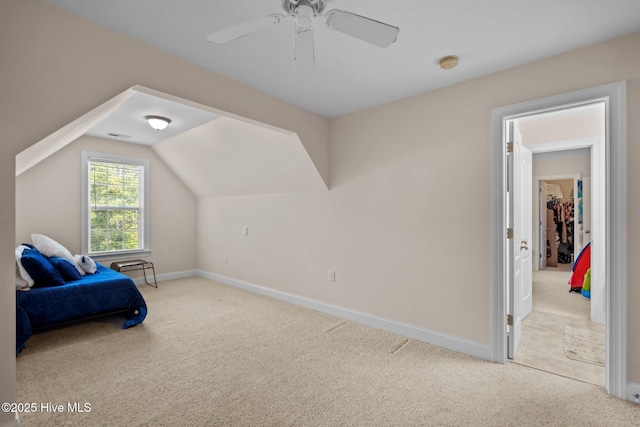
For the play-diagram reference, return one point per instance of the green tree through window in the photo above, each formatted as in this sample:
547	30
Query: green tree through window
116	206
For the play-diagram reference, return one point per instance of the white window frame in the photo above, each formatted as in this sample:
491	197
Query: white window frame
87	156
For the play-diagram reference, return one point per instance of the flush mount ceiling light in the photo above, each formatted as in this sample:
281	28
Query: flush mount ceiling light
158	122
448	62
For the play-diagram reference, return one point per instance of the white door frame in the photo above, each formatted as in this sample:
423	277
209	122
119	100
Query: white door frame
615	150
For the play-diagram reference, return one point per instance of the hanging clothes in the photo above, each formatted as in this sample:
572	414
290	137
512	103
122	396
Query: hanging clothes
564	226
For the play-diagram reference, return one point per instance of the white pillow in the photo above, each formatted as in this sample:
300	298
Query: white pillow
87	264
21	284
50	248
23	272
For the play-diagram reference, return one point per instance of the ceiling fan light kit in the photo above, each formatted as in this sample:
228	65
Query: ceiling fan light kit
303	13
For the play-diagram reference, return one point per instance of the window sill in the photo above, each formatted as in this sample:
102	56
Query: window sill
120	255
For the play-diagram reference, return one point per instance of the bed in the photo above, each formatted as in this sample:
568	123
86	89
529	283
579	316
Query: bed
105	292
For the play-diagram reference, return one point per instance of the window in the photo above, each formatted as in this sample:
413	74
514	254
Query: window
115	204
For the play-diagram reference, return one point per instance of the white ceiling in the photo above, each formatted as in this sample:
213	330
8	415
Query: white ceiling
350	75
127	122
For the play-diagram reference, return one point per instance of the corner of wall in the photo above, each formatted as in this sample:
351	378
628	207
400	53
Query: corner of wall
15	422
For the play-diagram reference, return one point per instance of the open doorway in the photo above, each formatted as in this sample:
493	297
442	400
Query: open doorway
558	335
561	210
506	324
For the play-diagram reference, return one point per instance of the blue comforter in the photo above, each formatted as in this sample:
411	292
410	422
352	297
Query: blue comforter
105	291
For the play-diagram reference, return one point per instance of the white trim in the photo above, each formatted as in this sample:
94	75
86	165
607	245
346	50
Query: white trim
614	95
139	280
460	345
85	156
498	239
633	388
104	258
569	144
616	320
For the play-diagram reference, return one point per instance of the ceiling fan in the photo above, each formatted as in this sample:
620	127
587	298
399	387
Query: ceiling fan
303	13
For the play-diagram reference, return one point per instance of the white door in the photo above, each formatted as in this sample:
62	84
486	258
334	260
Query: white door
520	200
586	210
542	241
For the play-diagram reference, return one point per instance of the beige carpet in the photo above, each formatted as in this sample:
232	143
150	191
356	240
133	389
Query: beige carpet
212	355
585	345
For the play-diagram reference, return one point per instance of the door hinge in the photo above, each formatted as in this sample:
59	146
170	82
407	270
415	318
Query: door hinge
509	147
510	319
509	233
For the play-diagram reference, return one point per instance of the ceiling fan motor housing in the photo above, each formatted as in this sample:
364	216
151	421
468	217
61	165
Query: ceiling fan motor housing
289	6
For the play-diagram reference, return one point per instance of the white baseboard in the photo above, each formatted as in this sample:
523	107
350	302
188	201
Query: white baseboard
633	388
460	345
139	280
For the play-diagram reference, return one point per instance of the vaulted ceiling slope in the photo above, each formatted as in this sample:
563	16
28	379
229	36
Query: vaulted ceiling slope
215	155
350	75
227	157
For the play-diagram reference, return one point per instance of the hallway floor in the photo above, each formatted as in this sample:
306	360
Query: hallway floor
543	331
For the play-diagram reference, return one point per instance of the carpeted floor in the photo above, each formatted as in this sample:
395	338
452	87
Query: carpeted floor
212	355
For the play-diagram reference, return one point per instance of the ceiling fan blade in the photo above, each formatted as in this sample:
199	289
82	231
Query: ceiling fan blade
375	32
304	51
304	56
241	30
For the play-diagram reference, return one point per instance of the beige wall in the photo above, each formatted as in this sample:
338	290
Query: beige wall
562	163
48	201
56	67
565	125
566	186
406	224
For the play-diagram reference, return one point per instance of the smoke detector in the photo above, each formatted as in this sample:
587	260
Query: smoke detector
448	62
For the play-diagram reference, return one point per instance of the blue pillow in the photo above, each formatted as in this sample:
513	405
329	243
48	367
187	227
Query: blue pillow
44	274
66	268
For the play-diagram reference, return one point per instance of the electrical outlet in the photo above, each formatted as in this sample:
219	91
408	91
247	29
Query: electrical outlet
245	230
332	276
